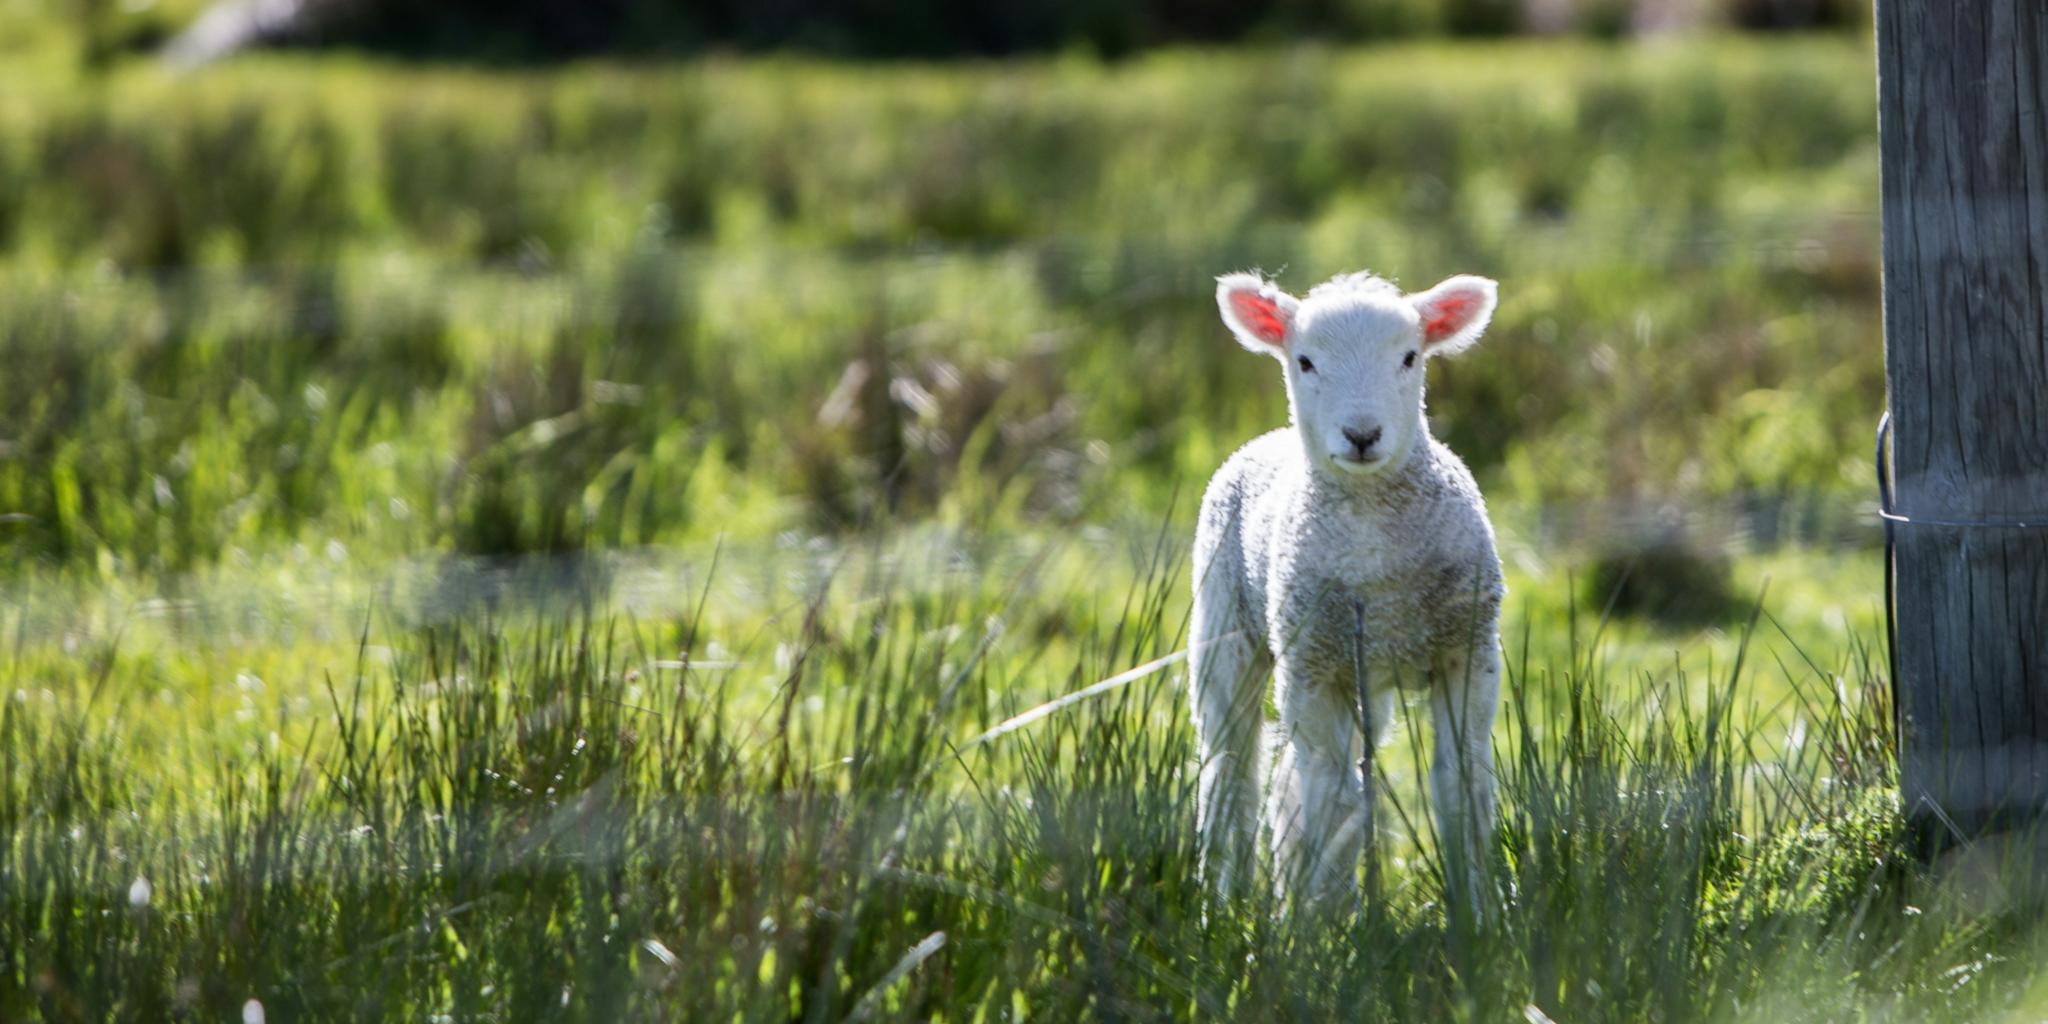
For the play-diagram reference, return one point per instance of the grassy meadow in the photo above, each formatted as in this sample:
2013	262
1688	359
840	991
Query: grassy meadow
504	544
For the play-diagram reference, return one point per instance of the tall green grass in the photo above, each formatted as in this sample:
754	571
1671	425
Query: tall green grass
511	815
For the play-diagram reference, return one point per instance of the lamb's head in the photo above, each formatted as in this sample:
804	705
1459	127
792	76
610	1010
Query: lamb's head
1353	352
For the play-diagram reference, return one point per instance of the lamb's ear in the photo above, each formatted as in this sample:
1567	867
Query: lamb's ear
1257	311
1455	313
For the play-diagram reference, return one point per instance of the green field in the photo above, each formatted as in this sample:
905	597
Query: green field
294	301
502	544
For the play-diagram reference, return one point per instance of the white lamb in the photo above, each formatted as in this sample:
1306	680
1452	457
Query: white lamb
1352	550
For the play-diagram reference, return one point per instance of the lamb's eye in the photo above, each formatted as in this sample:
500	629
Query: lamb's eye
1306	366
1408	360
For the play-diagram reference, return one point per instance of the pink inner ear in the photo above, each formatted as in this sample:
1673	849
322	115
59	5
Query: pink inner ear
1259	315
1447	315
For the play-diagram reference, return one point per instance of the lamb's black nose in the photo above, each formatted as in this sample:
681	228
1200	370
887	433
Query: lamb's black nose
1361	443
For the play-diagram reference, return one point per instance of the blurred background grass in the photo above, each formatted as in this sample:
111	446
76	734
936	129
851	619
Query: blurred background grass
403	307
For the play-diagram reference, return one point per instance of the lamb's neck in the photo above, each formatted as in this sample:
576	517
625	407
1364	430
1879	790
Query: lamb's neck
1387	494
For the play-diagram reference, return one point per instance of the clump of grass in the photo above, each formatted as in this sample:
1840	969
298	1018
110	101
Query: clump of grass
1664	575
590	817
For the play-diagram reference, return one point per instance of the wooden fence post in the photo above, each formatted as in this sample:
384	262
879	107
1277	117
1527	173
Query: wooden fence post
1963	120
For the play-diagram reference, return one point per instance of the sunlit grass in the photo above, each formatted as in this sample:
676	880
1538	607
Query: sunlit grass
756	810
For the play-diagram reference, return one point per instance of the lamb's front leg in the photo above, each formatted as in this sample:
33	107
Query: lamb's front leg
1319	809
1228	692
1463	700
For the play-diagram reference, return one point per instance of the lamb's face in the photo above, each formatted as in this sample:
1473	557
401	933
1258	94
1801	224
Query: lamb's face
1354	353
1354	380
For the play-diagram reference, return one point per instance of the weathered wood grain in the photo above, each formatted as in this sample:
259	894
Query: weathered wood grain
1963	119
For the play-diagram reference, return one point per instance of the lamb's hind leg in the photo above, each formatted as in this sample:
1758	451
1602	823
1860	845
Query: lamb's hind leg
1464	699
1228	695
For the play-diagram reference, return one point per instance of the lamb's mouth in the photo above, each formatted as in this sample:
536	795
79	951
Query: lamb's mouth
1358	466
